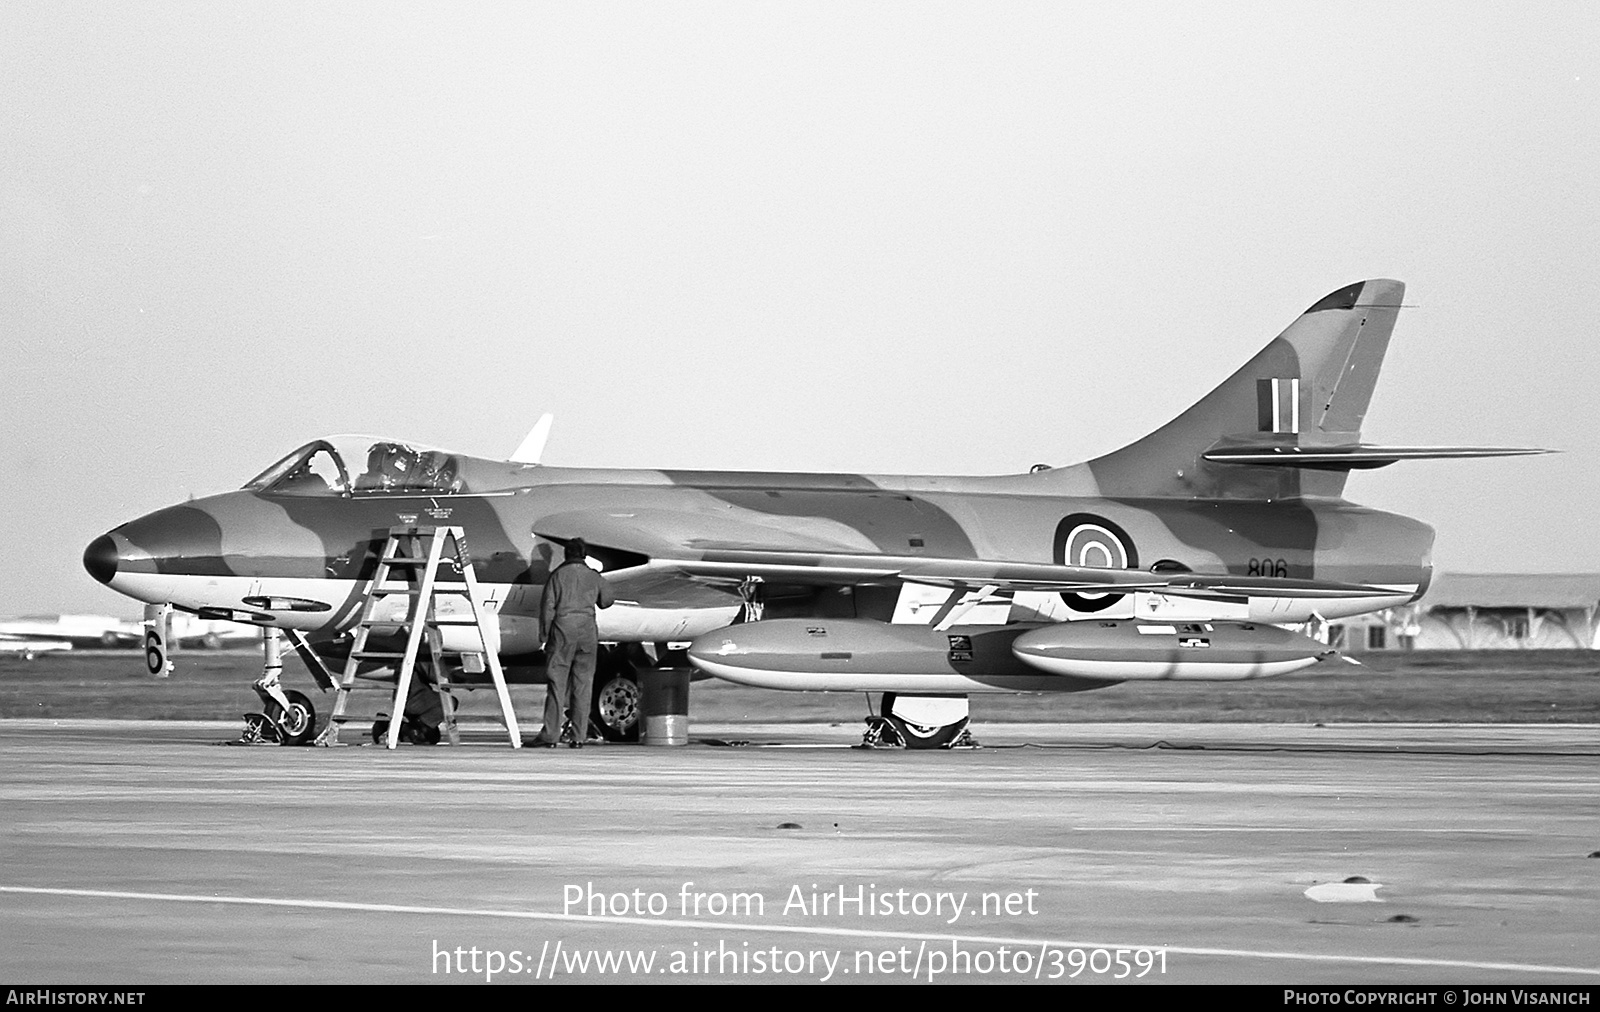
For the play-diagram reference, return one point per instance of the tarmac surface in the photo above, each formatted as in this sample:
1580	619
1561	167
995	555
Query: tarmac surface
145	852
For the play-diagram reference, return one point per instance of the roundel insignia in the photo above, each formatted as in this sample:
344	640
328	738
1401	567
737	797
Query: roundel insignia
1084	539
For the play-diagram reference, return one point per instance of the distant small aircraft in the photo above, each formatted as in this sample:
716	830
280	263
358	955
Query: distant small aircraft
1179	556
29	649
81	631
108	633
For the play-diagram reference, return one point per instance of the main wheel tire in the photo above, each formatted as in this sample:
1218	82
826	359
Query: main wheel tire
921	736
618	710
380	728
298	725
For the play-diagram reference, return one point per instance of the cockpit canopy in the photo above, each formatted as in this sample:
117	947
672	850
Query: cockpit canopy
346	465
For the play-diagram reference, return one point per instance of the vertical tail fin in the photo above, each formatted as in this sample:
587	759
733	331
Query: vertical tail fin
1309	387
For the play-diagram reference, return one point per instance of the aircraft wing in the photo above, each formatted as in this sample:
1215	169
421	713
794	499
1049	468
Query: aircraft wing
810	567
16	645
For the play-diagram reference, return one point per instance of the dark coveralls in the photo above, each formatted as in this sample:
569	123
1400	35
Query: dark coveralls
572	642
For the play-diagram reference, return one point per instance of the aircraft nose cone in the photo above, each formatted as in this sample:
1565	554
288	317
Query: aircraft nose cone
100	558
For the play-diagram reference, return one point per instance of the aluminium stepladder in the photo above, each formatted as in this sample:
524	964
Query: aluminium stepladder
419	553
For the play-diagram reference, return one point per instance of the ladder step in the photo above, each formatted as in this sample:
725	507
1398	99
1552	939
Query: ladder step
377	655
408	561
401	623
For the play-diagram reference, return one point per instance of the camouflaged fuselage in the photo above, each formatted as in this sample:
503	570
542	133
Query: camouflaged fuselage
218	551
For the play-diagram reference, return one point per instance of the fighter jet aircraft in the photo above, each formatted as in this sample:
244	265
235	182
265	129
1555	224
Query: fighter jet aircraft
1179	556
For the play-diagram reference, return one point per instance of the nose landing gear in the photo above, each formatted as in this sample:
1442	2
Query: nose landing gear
291	724
287	716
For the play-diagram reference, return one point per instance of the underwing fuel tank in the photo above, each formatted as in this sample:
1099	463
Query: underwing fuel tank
861	655
1128	649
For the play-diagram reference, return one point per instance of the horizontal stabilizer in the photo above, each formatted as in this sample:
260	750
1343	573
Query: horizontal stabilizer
1352	458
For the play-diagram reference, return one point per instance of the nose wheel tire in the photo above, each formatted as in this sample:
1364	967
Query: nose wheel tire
298	724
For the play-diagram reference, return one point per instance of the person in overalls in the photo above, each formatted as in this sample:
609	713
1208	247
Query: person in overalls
571	642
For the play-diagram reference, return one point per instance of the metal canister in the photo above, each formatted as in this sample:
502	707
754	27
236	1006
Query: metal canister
665	705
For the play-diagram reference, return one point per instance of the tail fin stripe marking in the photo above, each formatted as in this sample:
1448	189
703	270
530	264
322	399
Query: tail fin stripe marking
1278	405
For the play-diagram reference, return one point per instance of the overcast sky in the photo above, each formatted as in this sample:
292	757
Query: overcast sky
893	238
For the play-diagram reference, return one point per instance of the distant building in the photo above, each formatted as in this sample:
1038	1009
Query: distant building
1485	611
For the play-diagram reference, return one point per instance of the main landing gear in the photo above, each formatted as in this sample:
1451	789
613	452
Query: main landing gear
616	703
616	709
919	722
